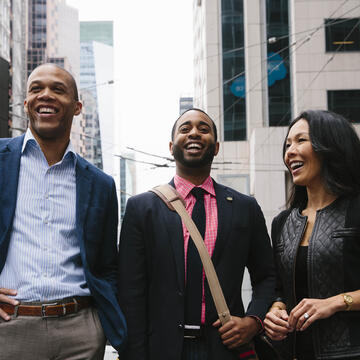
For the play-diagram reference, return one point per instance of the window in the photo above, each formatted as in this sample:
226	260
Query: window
342	34
239	182
346	103
277	27
233	70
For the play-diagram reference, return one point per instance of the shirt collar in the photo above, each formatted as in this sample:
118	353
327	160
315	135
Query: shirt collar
30	139
184	186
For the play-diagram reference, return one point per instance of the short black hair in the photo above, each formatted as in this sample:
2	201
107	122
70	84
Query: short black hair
337	144
196	109
71	78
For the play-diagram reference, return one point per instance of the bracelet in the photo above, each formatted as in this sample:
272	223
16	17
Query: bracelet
259	322
276	307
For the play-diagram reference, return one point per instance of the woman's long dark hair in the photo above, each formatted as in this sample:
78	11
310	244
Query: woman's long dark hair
336	143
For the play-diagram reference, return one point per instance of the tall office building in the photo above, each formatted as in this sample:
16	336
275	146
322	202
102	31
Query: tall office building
37	33
88	95
185	103
54	36
19	27
96	79
52	26
5	10
5	88
5	121
258	64
127	180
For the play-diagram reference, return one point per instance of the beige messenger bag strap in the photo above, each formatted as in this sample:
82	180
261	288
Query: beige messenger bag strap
176	203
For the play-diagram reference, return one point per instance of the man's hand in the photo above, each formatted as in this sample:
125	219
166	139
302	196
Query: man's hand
238	331
6	299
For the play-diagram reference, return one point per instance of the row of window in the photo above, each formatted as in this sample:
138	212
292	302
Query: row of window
341	34
346	103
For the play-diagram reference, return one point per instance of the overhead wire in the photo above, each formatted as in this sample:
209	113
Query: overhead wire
164	165
310	83
336	21
302	42
172	159
305	39
130	148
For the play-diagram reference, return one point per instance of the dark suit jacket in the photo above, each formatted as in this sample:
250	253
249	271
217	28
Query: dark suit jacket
96	225
151	272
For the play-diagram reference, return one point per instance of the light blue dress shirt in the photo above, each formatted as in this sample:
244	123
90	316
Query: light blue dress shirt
43	261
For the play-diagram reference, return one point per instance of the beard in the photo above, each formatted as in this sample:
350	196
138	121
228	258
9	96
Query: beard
205	160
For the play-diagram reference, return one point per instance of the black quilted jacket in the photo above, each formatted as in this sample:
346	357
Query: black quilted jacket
333	268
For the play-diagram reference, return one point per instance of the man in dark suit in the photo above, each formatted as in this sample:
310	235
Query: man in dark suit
166	320
58	230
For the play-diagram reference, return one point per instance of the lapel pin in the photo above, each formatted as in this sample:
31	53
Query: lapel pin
229	198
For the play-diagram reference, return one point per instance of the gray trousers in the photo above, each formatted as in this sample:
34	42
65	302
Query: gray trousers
72	337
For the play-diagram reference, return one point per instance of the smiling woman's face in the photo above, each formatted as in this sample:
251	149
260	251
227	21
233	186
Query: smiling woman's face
300	157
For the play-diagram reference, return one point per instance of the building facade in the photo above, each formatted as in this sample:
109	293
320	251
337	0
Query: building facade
258	64
96	83
54	36
127	180
185	103
88	93
5	88
19	26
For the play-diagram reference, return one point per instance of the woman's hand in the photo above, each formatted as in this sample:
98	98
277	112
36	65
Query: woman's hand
276	324
307	311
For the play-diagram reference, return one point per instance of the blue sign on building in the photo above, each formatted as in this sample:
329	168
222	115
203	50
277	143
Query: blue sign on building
238	86
276	68
276	71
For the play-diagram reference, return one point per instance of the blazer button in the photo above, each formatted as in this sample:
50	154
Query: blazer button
181	326
180	294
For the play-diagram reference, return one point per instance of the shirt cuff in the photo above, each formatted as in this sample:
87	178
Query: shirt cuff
260	323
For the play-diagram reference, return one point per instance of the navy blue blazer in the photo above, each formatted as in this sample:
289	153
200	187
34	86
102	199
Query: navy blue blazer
152	280
96	225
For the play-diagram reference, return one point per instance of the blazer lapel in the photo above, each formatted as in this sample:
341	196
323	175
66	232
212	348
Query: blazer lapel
9	177
224	201
173	225
83	192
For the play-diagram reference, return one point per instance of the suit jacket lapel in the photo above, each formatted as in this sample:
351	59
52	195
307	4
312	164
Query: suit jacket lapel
9	177
225	208
173	226
83	192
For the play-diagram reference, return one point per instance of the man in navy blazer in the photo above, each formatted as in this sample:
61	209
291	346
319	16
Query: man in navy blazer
58	230
154	272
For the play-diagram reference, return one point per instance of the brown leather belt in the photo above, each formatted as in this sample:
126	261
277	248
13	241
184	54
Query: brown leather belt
49	309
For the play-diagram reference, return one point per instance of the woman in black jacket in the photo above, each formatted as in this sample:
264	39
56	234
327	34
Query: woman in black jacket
317	242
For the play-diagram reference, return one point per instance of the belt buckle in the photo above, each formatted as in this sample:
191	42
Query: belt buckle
43	310
194	328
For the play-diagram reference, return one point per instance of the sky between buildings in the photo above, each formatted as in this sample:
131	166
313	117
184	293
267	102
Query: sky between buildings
153	68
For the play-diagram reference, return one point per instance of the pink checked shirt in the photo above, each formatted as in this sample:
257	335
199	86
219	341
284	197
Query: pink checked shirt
184	187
